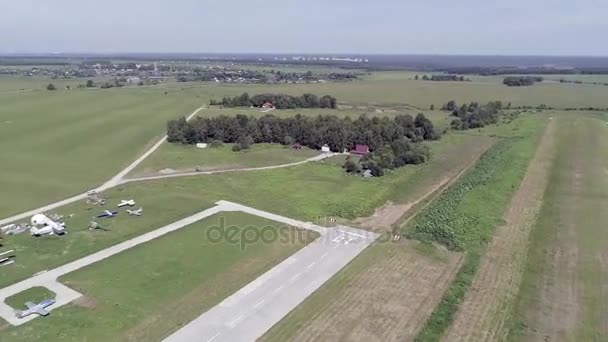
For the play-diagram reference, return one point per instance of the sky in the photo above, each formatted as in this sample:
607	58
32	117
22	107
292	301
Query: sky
485	27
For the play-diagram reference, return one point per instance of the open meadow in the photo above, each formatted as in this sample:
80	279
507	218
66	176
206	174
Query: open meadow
563	296
56	144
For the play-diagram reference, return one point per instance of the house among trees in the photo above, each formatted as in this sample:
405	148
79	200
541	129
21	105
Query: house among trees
325	149
360	150
297	146
268	105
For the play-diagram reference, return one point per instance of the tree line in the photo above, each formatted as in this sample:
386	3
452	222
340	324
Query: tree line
314	132
473	115
440	78
521	81
279	101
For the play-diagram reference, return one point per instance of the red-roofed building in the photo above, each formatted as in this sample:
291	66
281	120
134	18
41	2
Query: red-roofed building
360	150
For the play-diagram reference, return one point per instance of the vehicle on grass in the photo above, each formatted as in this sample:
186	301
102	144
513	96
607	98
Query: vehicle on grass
33	308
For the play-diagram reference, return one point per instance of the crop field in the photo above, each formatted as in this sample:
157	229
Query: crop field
184	274
56	144
466	214
563	296
421	94
385	294
482	314
177	157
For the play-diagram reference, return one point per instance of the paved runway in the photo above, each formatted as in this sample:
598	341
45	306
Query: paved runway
253	310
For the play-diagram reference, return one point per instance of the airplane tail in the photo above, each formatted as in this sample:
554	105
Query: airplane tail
18	313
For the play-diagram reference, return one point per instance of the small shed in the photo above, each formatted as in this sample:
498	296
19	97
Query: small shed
360	150
367	174
268	105
325	149
201	145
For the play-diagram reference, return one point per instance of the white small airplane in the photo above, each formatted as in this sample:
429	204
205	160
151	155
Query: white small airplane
125	203
137	212
42	225
33	308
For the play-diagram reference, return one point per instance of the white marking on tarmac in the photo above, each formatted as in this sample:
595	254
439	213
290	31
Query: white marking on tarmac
235	321
257	305
295	277
324	255
278	289
213	337
311	265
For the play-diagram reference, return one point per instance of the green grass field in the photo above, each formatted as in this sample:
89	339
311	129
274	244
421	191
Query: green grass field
184	274
186	157
563	296
308	192
56	144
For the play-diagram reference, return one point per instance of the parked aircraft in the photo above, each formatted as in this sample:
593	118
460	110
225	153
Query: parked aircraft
42	225
6	258
125	203
108	214
137	212
33	308
96	226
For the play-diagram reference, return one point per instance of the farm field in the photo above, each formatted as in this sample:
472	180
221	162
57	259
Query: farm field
56	144
482	314
179	157
421	94
184	274
562	297
465	216
385	294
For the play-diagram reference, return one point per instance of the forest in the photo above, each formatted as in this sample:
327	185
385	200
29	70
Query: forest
278	101
400	134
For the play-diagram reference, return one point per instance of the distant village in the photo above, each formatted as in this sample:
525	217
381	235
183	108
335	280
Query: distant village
154	73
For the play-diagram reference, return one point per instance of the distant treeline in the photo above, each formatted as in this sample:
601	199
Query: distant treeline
563	80
452	78
489	71
314	132
521	81
473	115
278	101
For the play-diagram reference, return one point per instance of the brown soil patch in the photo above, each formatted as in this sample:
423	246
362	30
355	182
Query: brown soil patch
483	312
390	213
388	300
86	302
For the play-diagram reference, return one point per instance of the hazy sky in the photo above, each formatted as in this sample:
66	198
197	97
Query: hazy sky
555	27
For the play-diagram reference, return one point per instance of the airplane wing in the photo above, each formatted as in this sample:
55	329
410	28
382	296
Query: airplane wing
30	305
42	312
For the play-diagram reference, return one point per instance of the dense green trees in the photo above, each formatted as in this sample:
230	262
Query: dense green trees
474	115
51	87
279	101
314	132
521	81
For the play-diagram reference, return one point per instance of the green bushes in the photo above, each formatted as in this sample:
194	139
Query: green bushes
442	222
